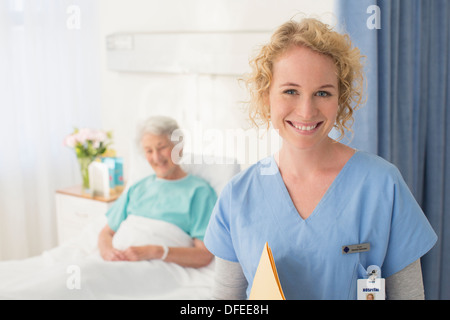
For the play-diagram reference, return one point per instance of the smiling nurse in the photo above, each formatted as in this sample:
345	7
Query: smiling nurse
325	196
303	99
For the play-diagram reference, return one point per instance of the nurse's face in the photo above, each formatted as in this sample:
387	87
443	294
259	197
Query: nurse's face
158	151
303	97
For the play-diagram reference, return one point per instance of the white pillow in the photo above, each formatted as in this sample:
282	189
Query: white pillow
216	171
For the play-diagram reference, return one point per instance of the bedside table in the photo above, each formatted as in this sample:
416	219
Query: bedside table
75	210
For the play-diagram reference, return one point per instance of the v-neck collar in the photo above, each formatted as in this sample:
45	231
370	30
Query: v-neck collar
283	199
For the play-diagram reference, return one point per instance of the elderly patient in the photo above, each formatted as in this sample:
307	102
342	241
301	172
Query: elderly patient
170	195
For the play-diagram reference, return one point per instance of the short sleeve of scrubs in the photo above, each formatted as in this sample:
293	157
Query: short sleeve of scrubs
218	235
411	235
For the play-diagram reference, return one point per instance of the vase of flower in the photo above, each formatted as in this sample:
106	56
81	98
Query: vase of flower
88	145
84	163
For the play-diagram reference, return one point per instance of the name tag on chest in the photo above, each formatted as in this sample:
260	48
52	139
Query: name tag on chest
355	248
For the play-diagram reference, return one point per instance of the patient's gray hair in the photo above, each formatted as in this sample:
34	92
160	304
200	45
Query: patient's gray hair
159	125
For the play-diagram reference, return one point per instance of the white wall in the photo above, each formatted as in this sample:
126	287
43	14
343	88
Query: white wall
198	102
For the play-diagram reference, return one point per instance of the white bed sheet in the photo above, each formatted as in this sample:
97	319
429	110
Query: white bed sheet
75	269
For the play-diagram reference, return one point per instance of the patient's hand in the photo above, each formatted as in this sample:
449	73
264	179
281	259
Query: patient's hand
112	254
143	253
107	251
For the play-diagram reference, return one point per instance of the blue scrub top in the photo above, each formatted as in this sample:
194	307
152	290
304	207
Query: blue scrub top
368	202
186	203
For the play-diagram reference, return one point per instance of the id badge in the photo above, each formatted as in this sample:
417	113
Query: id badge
372	287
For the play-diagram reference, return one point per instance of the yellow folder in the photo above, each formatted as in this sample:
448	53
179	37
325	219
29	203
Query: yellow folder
266	285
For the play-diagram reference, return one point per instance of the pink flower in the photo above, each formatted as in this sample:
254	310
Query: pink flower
99	136
83	135
88	142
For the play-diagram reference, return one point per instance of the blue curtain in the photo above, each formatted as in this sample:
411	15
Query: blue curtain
406	119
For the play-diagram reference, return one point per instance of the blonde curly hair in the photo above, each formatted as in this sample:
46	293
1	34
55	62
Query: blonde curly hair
321	38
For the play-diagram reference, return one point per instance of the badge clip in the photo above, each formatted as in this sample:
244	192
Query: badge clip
373	272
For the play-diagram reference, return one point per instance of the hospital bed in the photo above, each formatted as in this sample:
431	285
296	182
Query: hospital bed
75	270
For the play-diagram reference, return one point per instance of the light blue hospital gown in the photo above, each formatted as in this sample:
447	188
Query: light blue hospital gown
368	202
186	203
